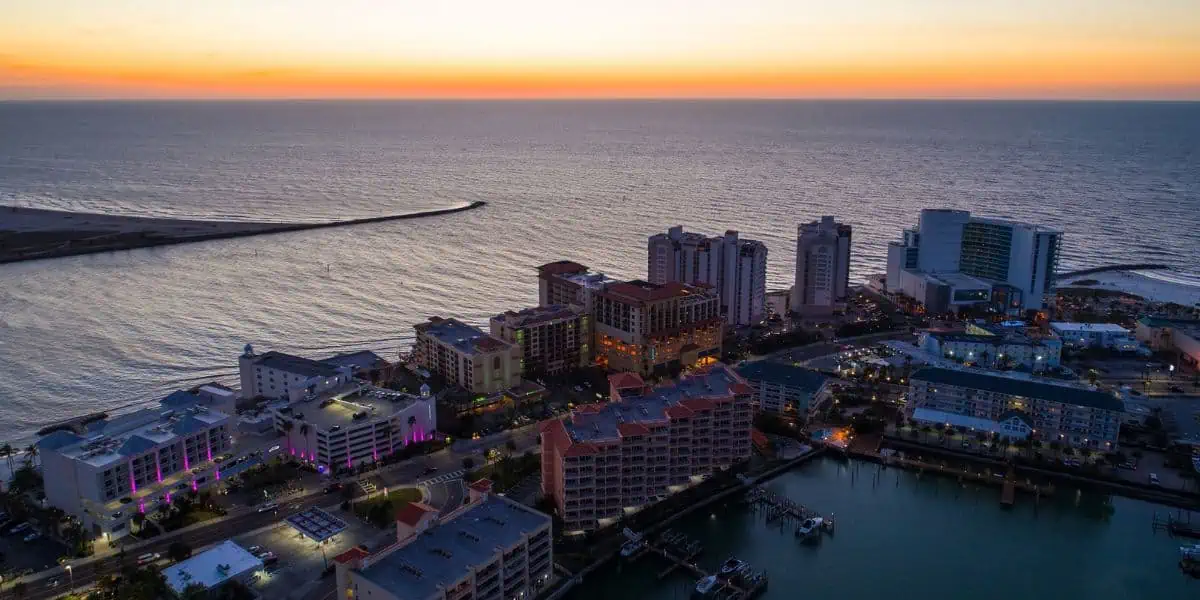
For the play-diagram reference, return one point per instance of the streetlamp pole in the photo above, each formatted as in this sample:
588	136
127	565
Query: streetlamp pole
323	557
71	573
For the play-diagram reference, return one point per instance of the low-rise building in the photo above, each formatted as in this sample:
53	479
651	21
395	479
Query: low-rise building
1172	335
466	356
1096	335
1016	407
353	425
491	549
645	443
1007	348
646	328
786	390
106	471
213	568
554	339
276	375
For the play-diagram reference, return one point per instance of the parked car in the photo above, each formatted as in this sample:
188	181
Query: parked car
148	558
19	528
255	550
429	470
1154	479
268	506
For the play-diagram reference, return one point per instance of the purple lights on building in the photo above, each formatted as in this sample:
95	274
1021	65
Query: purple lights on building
132	481
157	469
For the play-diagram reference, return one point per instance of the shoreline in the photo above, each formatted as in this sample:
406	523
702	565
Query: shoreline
35	234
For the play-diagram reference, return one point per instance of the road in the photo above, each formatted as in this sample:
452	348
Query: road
242	520
811	351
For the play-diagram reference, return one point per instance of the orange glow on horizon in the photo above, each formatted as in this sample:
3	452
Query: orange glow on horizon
625	49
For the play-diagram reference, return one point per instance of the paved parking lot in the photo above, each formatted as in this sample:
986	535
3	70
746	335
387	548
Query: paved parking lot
20	555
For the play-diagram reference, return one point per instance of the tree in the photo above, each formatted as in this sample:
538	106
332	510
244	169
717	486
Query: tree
287	431
6	450
20	589
179	551
31	453
194	591
139	519
468	463
510	446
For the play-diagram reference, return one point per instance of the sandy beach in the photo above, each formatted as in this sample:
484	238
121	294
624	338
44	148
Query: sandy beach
31	233
1159	287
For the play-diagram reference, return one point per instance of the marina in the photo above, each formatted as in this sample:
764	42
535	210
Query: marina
1092	546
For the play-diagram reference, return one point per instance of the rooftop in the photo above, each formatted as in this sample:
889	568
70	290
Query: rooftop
561	267
295	364
807	379
1004	338
212	567
595	422
1067	394
338	407
110	440
954	279
536	315
363	359
1088	327
466	338
644	291
446	553
1190	327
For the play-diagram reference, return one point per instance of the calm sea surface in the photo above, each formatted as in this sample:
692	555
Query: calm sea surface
581	180
901	536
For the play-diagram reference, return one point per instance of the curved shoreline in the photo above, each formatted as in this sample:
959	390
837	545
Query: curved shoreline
42	234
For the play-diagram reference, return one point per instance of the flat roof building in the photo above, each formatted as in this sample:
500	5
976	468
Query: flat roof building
786	390
276	375
554	339
822	266
645	327
1009	348
1018	407
1172	335
142	457
644	443
491	549
736	268
213	568
466	356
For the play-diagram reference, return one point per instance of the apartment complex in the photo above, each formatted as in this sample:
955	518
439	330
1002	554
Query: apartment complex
554	339
1016	407
951	260
352	425
645	327
1011	348
277	375
736	268
491	549
106	471
1096	335
567	282
822	266
466	356
646	442
786	390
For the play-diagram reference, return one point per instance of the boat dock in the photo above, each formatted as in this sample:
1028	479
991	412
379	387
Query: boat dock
667	548
1176	526
780	508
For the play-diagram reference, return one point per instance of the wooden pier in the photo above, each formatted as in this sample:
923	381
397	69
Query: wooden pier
1176	526
780	508
728	590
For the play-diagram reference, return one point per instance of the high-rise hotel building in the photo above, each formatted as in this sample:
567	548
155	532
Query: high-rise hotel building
736	268
822	266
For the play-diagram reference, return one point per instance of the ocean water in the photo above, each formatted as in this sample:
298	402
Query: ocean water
586	181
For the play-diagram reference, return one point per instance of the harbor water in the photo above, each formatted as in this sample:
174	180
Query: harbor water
900	535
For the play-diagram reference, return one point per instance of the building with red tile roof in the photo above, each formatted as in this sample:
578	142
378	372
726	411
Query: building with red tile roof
644	443
466	356
645	327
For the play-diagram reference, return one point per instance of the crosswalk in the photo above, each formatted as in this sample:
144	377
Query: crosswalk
451	476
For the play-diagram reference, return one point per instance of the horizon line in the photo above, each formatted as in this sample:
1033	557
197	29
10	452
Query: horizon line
964	99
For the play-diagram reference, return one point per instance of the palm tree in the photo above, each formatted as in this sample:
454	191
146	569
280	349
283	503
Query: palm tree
412	423
139	519
304	434
31	453
287	431
6	451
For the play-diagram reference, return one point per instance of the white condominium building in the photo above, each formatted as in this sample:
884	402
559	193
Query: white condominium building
822	266
106	471
736	268
466	356
275	375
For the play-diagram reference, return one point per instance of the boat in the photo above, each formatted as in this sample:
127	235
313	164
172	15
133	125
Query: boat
707	586
1190	552
731	566
632	547
810	526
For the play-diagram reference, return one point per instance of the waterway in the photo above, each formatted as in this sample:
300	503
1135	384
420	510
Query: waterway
903	536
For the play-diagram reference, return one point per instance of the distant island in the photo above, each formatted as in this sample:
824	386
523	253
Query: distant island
32	233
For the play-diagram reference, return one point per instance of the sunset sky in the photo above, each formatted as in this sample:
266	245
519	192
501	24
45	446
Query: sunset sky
588	48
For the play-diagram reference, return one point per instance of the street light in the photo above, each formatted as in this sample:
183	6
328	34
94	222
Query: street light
72	575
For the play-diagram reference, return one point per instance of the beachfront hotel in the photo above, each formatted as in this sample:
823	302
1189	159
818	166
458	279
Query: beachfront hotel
606	460
275	375
568	282
106	471
736	268
1016	407
490	549
822	267
466	356
554	339
952	260
647	328
792	392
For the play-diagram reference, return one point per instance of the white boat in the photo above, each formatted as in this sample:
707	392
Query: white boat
731	566
632	547
1192	552
810	526
707	586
